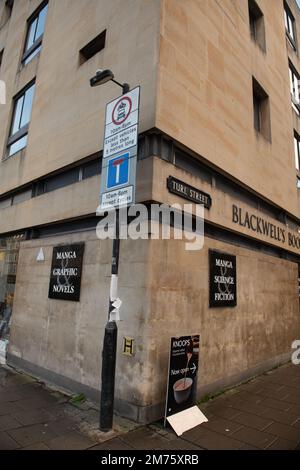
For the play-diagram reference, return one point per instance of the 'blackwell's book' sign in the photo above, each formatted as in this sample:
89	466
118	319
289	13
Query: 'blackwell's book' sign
188	192
65	277
262	226
222	279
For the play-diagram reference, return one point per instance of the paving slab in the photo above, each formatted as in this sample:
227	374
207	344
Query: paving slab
113	444
276	404
7	443
284	417
253	421
254	437
222	426
71	441
282	444
223	411
31	434
37	446
284	431
8	422
35	416
213	441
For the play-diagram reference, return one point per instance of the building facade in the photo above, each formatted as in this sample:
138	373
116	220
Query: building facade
219	115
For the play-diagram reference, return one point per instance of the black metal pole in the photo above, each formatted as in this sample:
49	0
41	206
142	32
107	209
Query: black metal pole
109	351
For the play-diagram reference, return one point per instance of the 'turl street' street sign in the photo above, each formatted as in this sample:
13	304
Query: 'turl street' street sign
120	151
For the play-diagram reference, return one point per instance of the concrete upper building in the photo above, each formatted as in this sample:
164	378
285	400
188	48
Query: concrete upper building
219	111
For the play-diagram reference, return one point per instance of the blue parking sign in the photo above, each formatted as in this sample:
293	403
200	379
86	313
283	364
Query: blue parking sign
118	171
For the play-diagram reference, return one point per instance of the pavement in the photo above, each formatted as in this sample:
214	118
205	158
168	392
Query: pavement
263	413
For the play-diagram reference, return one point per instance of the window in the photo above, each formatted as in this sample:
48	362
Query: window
298	182
9	254
91	169
289	22
297	150
62	180
35	31
1	56
256	111
261	110
94	46
22	196
257	25
9	6
20	120
6	12
294	87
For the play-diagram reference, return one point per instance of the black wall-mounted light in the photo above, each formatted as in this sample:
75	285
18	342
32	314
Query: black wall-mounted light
103	76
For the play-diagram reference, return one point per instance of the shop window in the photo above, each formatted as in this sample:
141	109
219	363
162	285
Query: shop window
257	24
20	120
290	29
93	47
35	31
261	110
294	87
9	254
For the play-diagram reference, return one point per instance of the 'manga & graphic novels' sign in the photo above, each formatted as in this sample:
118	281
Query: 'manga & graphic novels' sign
65	277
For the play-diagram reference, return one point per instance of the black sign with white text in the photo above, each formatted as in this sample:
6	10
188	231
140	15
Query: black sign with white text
222	282
186	191
65	277
183	371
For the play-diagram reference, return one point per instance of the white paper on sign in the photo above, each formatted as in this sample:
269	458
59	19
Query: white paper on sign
117	303
186	420
114	315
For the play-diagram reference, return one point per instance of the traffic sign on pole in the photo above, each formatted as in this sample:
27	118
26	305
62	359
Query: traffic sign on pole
118	171
118	179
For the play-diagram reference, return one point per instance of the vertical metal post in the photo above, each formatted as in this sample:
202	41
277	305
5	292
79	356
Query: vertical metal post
110	348
109	351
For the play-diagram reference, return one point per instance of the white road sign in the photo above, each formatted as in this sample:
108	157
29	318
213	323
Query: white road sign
118	110
120	141
118	177
119	197
121	123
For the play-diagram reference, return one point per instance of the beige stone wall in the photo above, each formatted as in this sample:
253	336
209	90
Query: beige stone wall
234	340
66	337
200	94
221	212
168	297
67	117
76	200
204	100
